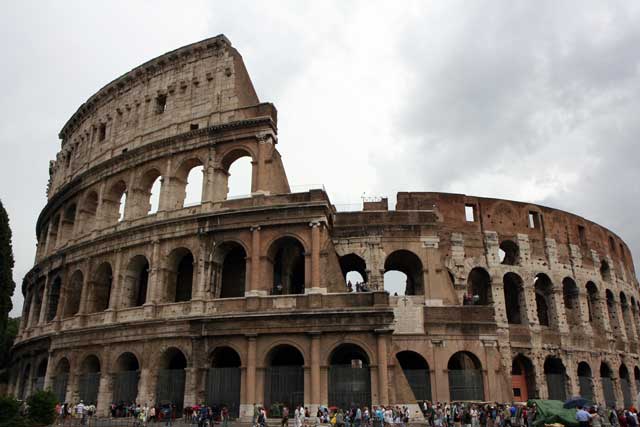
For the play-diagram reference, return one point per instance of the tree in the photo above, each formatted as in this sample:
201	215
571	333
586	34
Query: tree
42	407
7	285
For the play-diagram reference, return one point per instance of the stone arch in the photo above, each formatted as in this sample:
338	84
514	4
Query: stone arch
286	256
284	377
88	211
114	203
509	252
171	377
606	379
180	273
349	376
229	270
523	378
605	271
60	379
571	299
126	377
41	373
73	294
148	194
593	305
585	381
68	222
545	300
514	298
100	288
417	373
54	298
229	160
354	268
89	379
185	173
465	377
556	376
136	282
224	379
410	265
479	286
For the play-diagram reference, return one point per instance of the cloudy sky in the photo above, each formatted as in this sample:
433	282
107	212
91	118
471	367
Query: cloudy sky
536	101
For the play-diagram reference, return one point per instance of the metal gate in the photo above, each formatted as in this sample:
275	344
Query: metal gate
284	385
626	392
586	388
609	394
556	387
223	389
466	385
88	385
171	387
420	382
60	387
349	386
125	386
38	384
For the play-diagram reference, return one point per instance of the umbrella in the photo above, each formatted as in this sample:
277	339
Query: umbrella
575	401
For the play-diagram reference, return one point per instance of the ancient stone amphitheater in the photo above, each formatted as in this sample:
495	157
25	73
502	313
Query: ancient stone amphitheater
239	301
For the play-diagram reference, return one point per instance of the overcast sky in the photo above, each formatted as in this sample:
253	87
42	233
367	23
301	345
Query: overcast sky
535	101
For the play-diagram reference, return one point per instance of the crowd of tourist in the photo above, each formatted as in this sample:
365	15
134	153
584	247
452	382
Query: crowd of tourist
359	287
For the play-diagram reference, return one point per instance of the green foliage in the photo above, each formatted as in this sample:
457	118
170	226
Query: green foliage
10	413
42	407
7	285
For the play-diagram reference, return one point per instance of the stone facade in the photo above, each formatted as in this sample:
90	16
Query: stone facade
255	287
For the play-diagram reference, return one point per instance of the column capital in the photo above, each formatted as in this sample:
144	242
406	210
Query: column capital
251	337
255	228
314	334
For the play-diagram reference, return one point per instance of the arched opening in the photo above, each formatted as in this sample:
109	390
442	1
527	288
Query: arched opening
171	378
41	373
606	379
605	271
287	258
544	300
150	188
180	274
349	377
88	211
571	298
100	289
239	168
555	373
354	271
509	253
23	393
523	379
73	294
626	316
61	379
625	385
190	174
479	285
224	380
68	222
54	298
114	202
636	377
229	270
416	371
284	379
513	298
89	380
613	315
125	379
37	303
136	282
595	317
53	232
585	381
465	377
409	264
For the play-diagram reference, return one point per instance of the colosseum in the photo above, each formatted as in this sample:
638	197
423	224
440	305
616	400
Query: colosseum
245	300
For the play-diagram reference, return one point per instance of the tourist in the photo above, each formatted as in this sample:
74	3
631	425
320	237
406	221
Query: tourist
81	413
285	416
224	415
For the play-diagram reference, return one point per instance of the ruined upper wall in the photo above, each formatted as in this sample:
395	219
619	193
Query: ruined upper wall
195	86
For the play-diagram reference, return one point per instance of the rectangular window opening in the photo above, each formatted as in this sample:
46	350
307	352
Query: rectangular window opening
102	132
612	244
194	126
534	219
161	104
582	234
470	213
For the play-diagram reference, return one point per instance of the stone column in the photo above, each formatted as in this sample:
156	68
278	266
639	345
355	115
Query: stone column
315	371
383	374
246	408
254	283
190	386
147	385
115	300
49	373
105	394
315	256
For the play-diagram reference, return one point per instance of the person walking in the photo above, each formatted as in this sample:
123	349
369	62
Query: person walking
285	417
